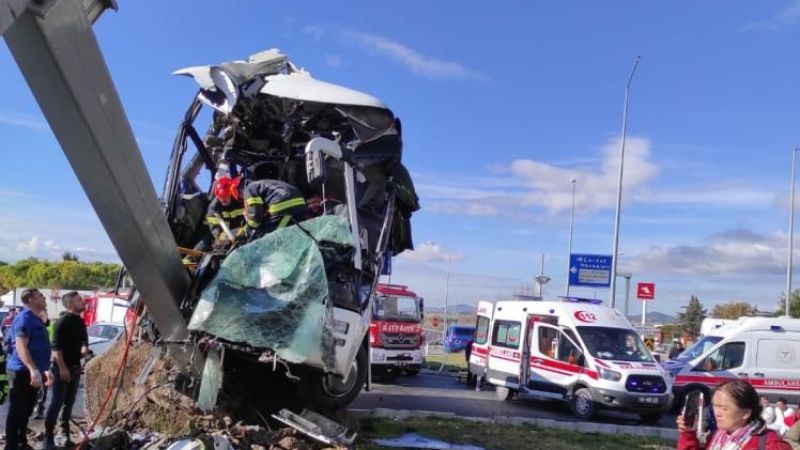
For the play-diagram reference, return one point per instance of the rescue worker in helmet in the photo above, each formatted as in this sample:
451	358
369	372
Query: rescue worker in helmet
225	210
271	205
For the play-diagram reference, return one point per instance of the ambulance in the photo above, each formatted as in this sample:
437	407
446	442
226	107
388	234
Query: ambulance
764	351
575	350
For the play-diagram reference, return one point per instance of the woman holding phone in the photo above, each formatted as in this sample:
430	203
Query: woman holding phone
737	411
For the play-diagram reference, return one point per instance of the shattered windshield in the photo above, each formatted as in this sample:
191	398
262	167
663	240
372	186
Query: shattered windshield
394	308
617	344
699	348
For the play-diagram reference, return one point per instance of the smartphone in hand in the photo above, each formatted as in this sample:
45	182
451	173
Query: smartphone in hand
692	408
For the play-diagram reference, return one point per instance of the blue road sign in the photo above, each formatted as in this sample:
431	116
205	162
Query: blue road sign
387	263
590	270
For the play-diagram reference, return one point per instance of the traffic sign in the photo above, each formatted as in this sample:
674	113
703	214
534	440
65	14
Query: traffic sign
590	270
646	291
387	263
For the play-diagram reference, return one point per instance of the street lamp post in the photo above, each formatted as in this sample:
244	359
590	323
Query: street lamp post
619	186
571	226
627	276
542	279
791	236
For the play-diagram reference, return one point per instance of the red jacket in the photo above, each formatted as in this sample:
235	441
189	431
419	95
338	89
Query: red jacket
688	441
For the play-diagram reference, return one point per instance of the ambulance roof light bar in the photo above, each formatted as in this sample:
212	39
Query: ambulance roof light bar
593	301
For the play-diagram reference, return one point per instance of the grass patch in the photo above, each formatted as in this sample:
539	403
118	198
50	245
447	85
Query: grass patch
454	362
496	437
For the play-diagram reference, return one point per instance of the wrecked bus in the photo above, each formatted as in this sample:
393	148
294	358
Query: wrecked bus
396	340
297	300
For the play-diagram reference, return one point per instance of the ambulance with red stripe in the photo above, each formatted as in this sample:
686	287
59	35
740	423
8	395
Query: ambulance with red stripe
575	350
763	351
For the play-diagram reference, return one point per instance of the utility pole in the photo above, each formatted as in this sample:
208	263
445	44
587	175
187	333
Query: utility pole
571	226
619	186
446	297
791	236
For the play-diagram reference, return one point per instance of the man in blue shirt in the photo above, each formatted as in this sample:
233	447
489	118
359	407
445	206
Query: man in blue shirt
27	367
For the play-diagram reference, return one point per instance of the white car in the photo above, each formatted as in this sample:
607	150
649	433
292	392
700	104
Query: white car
103	335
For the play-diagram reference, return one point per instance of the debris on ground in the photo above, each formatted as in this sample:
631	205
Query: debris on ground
418	441
317	427
147	413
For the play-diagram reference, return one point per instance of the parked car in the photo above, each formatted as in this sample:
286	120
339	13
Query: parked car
458	337
103	335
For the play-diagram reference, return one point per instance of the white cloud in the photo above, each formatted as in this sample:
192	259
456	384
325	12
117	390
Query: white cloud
18	119
464	288
36	246
526	185
726	194
734	254
333	60
430	252
315	31
787	17
411	59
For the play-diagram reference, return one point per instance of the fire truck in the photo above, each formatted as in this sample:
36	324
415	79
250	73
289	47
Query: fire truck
395	332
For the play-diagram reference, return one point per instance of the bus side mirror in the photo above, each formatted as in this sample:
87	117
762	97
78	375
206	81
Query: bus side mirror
315	168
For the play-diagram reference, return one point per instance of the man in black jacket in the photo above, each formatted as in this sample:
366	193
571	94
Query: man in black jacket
70	343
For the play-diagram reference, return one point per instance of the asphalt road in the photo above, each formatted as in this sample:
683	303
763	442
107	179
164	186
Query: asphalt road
428	392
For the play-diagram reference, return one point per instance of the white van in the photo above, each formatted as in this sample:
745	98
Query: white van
575	350
763	351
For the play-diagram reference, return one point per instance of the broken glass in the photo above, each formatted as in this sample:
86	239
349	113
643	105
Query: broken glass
273	292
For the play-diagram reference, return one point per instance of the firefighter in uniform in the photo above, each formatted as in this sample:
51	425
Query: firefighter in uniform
226	207
271	205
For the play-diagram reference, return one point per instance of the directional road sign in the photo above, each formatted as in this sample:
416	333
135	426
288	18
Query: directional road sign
590	270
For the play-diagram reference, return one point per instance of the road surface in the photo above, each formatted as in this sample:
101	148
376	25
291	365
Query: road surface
442	393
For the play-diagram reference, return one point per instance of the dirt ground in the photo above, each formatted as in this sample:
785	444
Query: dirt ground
154	407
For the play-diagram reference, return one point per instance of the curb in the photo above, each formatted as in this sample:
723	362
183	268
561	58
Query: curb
583	427
437	373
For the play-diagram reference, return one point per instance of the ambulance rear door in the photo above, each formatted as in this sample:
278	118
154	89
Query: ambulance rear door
480	342
505	353
776	372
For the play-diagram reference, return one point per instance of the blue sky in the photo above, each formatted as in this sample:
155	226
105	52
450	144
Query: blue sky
502	105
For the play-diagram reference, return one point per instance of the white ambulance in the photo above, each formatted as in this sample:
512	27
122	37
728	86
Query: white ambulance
764	351
575	350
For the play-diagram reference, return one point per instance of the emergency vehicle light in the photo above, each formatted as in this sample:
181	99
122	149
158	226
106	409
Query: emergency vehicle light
593	301
775	328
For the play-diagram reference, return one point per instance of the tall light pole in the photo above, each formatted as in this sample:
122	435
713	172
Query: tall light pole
446	297
619	186
542	279
571	226
791	235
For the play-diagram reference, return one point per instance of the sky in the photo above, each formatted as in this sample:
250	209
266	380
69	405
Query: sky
502	105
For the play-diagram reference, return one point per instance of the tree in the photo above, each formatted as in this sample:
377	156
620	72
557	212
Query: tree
732	310
794	305
67	274
69	256
691	319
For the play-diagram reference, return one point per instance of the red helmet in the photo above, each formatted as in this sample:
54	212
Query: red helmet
227	188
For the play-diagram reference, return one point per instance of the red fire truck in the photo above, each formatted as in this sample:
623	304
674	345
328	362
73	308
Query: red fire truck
107	307
395	331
